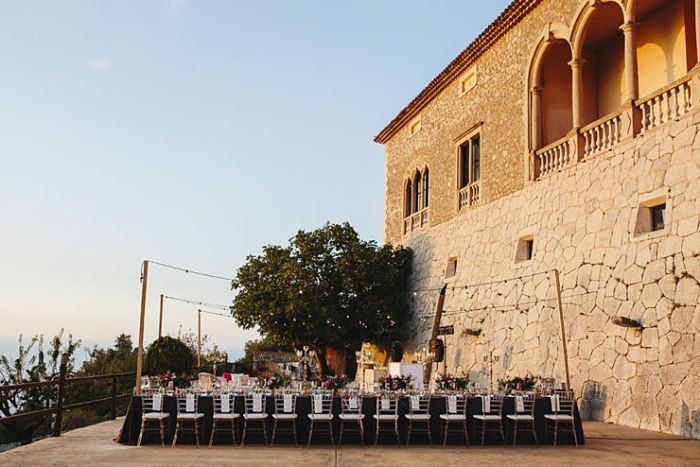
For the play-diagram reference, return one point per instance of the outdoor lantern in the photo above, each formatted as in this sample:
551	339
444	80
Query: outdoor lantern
396	352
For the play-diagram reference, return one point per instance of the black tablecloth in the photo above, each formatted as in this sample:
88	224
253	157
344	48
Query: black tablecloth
132	423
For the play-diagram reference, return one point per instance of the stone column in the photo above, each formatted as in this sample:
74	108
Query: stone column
631	70
577	91
536	117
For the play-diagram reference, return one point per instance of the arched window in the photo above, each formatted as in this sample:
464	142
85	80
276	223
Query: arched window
556	118
407	201
416	193
426	186
601	46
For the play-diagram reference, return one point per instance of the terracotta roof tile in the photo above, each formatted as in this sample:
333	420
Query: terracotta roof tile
511	16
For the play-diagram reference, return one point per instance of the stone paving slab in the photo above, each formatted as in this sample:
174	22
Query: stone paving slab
606	444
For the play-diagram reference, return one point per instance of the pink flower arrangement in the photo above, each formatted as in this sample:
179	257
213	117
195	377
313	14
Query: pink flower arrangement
452	383
272	381
395	383
334	382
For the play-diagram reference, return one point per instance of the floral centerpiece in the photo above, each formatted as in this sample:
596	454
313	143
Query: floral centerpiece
171	380
272	381
517	384
451	383
395	383
333	383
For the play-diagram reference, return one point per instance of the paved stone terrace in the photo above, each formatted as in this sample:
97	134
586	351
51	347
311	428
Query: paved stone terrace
605	445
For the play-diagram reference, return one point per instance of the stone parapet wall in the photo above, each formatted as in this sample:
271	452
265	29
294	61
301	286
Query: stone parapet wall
583	222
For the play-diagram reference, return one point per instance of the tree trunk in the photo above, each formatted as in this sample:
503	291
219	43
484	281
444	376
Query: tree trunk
320	353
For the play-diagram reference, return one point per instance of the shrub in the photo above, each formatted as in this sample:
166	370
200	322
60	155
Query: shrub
168	354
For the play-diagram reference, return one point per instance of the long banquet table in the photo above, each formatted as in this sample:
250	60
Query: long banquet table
132	423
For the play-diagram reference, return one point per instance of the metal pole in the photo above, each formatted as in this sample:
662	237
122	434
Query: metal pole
563	332
160	322
436	325
139	356
199	337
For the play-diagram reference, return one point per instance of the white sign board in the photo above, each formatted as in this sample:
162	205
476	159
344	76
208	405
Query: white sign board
415	370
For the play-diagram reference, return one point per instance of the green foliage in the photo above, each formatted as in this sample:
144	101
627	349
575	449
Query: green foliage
120	359
33	364
168	354
328	288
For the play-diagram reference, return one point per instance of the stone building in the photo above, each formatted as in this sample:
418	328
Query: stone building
564	137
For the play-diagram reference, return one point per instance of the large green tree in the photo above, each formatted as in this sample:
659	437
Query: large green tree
327	288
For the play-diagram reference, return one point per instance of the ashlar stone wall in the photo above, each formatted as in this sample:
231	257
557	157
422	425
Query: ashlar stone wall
583	222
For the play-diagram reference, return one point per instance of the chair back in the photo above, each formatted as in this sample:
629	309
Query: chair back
456	403
387	404
285	402
206	378
563	402
255	402
352	403
224	403
419	404
525	404
152	402
322	402
492	404
187	403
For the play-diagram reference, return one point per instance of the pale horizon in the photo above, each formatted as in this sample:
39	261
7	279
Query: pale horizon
192	134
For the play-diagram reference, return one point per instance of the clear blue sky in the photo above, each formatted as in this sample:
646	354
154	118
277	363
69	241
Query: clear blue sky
193	133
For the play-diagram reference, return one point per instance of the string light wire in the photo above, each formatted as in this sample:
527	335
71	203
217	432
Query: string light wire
195	302
481	284
187	271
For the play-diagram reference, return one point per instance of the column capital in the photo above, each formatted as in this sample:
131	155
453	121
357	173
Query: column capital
630	26
577	62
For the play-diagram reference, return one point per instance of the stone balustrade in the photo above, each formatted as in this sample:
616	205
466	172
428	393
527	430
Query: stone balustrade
415	221
555	157
602	134
668	103
469	195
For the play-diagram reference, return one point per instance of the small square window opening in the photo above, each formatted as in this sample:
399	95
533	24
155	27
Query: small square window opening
658	217
651	216
525	249
451	268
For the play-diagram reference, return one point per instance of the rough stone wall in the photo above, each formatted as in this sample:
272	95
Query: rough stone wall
499	100
583	222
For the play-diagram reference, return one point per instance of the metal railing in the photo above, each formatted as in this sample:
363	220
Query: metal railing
59	408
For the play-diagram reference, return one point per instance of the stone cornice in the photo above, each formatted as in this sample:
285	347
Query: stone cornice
510	17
